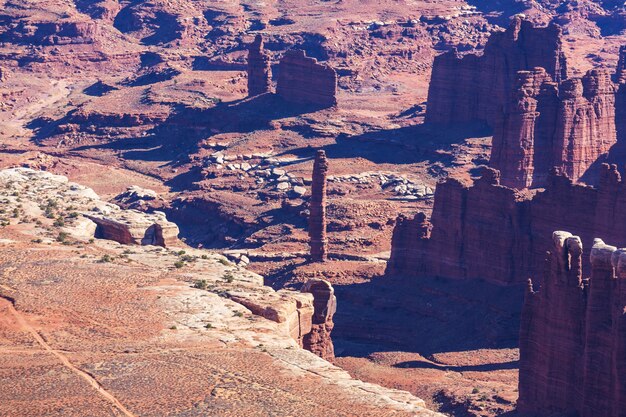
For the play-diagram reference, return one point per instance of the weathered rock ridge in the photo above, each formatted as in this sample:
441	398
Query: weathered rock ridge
303	80
493	232
573	333
475	88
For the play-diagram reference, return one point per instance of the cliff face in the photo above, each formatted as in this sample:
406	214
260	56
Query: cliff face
569	126
303	80
540	118
259	69
492	232
572	334
524	133
475	88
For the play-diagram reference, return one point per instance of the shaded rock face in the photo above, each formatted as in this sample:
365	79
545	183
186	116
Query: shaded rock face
318	340
496	233
408	234
303	80
317	208
475	88
569	126
573	333
259	69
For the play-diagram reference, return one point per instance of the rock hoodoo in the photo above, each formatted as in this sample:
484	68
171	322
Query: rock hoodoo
259	69
475	88
573	334
499	234
318	339
303	80
317	208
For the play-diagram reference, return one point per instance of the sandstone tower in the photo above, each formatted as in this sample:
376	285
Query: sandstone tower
259	69
317	218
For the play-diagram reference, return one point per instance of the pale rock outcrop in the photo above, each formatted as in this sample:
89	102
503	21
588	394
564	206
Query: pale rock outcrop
82	213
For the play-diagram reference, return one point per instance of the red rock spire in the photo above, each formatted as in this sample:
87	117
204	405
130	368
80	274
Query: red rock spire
317	218
259	69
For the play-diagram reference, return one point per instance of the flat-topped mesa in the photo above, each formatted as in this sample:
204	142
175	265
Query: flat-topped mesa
491	232
475	88
318	339
259	69
303	80
571	126
573	334
317	209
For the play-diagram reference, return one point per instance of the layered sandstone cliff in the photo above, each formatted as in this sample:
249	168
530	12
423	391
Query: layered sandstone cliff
572	334
303	80
570	126
475	88
493	232
259	69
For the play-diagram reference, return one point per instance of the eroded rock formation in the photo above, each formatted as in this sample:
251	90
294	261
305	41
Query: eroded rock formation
318	339
475	88
303	80
569	126
493	232
259	69
51	33
131	227
572	333
317	209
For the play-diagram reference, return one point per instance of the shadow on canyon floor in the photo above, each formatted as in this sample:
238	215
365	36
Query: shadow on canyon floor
404	145
427	316
468	368
179	135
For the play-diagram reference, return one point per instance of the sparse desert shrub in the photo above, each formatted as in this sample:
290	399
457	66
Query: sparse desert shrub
106	258
201	284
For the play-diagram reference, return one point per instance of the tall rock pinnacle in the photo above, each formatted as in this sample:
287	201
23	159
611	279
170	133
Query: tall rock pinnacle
317	218
259	69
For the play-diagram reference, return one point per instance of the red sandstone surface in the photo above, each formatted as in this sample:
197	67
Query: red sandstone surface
169	96
571	338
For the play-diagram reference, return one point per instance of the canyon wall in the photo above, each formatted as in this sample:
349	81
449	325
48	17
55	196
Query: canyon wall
303	80
499	234
540	118
259	68
573	333
570	126
475	88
